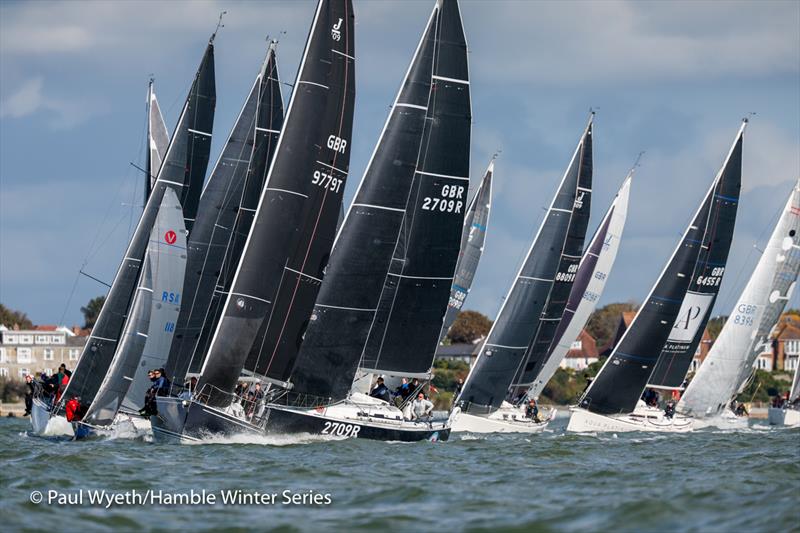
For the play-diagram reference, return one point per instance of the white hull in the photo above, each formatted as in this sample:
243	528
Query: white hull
783	417
725	420
652	420
46	425
504	420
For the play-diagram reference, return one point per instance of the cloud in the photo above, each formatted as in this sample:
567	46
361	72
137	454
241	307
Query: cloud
29	98
26	100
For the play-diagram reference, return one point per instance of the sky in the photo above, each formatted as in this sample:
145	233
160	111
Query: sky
672	79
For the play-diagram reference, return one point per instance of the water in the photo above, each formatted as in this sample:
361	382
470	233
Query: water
709	480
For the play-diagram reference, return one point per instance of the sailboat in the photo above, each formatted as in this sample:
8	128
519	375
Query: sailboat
473	238
746	333
545	277
789	413
154	309
590	281
183	171
287	248
227	207
674	314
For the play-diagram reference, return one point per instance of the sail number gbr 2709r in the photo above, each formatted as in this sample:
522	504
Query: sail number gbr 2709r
340	429
450	201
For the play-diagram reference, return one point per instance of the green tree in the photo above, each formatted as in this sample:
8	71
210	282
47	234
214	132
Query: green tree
603	323
10	317
469	326
715	326
92	310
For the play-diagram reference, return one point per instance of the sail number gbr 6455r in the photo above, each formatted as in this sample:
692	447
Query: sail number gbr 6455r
450	201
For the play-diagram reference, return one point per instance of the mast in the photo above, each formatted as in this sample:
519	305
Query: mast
154	308
516	324
183	171
430	117
288	246
473	238
730	361
227	204
590	280
687	332
623	377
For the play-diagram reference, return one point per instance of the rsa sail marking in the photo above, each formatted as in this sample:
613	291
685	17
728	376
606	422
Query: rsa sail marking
451	200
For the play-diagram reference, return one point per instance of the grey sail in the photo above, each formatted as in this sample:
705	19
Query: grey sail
157	140
167	260
152	316
729	365
516	324
622	379
223	221
473	238
183	171
288	246
687	332
348	301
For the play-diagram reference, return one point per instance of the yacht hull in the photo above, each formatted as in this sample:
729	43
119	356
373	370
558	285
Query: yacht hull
467	423
583	421
779	416
190	421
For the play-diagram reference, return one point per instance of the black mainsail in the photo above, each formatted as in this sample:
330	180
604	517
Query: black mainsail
183	171
286	252
423	153
227	204
473	238
623	378
518	320
571	254
687	332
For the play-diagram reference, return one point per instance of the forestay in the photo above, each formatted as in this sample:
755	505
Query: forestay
473	237
227	205
182	171
590	281
512	331
287	249
679	350
746	332
623	377
151	323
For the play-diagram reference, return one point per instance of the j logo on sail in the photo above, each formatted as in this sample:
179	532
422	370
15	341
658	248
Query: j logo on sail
579	200
335	33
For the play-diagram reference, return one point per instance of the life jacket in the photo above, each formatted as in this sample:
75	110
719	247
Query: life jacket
74	410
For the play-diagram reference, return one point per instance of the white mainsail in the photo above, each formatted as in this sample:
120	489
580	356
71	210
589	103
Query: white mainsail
746	332
164	266
167	255
605	261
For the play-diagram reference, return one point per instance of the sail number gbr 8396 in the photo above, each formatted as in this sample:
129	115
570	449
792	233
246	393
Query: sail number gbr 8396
451	200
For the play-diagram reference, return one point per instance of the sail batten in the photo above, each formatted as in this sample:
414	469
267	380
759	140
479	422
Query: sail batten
473	238
183	171
512	332
590	280
295	221
227	204
729	364
624	376
384	211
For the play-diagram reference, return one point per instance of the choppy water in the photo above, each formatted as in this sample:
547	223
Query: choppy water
709	480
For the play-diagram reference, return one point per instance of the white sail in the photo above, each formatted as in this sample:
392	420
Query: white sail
164	262
605	261
157	135
795	393
746	332
167	254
